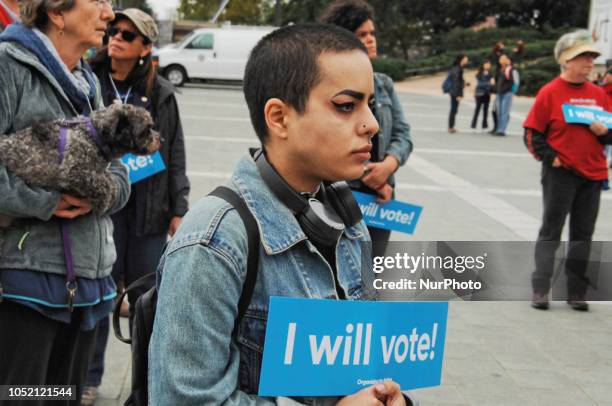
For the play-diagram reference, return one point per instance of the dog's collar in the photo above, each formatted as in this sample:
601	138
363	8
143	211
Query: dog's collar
93	133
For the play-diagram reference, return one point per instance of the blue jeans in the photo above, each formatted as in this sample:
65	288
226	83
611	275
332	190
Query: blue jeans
136	257
503	103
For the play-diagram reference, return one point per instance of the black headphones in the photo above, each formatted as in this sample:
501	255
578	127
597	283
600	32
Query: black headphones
321	223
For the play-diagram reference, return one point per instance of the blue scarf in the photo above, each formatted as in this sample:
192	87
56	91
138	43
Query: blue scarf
25	37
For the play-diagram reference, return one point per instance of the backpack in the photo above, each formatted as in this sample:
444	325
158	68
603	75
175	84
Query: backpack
447	85
145	307
516	80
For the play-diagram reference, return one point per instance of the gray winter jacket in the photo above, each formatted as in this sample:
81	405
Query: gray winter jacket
29	95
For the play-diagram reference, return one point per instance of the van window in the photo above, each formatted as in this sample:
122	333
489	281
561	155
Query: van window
204	41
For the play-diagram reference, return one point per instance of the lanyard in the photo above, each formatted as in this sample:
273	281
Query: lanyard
127	95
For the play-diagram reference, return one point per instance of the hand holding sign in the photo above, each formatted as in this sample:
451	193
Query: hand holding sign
378	172
587	115
384	194
387	393
598	129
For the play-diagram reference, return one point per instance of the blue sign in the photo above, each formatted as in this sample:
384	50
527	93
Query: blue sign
337	347
394	215
143	166
586	115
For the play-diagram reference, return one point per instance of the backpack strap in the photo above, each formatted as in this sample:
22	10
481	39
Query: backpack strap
250	224
143	281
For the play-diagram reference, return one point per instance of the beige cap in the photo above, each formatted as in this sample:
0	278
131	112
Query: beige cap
578	49
143	22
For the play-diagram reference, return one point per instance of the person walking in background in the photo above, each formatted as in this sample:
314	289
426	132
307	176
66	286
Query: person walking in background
482	93
456	92
392	146
573	168
48	319
503	101
9	13
518	53
498	50
157	203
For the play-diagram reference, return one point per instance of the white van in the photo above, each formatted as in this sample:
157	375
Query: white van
210	53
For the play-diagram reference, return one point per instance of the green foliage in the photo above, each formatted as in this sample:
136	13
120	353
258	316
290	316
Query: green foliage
541	13
395	68
533	79
237	11
465	38
197	9
243	12
141	4
443	61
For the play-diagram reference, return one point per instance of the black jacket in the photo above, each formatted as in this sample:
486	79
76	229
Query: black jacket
503	85
155	200
456	73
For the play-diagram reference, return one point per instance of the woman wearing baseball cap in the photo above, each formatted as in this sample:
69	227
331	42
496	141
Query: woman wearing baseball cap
573	167
157	203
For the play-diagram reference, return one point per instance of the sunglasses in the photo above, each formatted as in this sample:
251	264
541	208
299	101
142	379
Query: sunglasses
128	36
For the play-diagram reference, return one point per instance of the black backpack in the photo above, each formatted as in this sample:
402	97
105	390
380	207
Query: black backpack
145	306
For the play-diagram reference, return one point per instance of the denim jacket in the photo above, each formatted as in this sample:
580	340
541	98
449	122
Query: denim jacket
394	133
193	359
29	95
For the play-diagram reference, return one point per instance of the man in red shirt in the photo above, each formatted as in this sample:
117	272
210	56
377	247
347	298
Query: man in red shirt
606	83
573	167
9	13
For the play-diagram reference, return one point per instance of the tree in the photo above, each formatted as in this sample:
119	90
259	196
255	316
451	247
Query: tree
237	11
141	4
244	12
542	13
197	9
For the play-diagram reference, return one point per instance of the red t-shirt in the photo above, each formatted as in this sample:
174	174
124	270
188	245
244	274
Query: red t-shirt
608	90
5	18
576	146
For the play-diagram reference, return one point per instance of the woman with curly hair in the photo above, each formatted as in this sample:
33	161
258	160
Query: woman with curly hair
393	144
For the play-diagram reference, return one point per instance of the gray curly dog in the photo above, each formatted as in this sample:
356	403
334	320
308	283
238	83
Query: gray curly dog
33	154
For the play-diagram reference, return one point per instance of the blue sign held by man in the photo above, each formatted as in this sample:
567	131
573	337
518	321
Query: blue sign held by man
394	215
142	167
586	115
337	347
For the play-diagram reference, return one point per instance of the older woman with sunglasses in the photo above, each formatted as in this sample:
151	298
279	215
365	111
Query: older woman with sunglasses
54	285
157	203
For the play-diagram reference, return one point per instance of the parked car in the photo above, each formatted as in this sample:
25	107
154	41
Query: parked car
210	53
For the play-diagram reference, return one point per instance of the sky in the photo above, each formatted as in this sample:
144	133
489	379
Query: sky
163	7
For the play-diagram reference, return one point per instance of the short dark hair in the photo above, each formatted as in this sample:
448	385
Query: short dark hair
348	14
284	65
